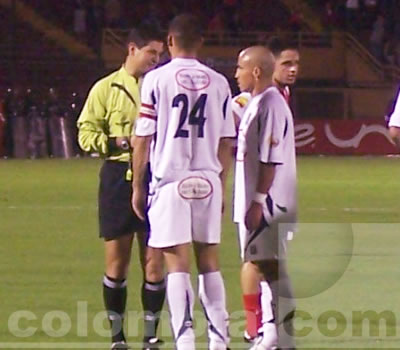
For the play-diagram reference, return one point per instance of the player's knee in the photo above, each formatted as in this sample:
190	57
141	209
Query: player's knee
117	269
207	263
249	269
154	270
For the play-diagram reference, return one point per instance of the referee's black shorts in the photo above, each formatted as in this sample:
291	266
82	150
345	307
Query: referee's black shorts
116	216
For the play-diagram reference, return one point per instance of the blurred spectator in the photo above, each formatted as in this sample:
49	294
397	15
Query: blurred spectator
369	11
37	130
329	16
80	19
377	37
75	104
112	13
152	14
352	14
14	107
296	20
392	51
94	22
2	129
217	23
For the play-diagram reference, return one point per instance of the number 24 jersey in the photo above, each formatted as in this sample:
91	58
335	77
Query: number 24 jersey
186	106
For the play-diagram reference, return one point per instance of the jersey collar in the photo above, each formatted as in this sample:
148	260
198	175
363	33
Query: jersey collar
126	75
185	61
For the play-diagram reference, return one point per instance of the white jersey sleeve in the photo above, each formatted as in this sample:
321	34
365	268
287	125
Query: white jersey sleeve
395	117
240	103
146	125
272	129
228	125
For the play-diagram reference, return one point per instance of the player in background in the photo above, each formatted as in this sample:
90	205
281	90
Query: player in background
265	190
105	126
394	122
256	296
186	128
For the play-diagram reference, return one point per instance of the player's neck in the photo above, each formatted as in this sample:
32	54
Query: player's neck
131	69
280	85
261	86
180	53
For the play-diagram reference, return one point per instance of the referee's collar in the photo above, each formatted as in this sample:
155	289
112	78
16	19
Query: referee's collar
127	75
185	61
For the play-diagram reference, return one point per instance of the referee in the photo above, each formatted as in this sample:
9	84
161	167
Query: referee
105	126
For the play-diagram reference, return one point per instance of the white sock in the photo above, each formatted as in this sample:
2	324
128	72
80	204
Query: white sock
180	300
212	297
266	302
283	301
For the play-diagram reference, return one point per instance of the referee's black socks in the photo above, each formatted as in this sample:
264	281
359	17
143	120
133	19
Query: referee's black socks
153	295
114	294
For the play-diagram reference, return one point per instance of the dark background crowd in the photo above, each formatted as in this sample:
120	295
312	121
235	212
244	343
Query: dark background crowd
375	22
40	125
36	116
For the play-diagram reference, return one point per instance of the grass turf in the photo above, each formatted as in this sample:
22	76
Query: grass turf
343	261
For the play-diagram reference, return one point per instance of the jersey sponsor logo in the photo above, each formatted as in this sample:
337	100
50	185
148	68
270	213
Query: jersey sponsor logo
242	101
192	79
195	187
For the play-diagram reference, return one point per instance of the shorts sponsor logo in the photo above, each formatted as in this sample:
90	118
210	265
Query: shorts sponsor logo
195	188
192	79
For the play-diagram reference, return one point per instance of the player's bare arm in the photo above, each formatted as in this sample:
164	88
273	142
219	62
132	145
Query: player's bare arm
394	133
141	147
266	176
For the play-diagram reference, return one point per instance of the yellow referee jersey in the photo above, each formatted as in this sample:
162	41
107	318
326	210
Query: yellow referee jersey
110	110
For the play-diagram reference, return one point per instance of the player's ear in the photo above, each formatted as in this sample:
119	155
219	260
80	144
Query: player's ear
256	72
170	41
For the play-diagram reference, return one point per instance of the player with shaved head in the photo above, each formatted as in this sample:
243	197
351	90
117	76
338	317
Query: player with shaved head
265	189
256	294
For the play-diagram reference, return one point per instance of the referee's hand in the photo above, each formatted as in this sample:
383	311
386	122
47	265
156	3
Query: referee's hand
139	203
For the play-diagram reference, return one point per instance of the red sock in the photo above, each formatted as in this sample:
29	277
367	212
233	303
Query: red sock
252	308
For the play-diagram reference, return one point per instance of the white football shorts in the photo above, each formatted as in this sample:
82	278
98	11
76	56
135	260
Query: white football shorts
186	210
268	243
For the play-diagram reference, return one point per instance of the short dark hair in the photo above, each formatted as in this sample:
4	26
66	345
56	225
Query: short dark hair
278	44
144	33
186	30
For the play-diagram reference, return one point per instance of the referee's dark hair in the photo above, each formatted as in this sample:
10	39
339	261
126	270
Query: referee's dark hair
186	30
144	33
278	44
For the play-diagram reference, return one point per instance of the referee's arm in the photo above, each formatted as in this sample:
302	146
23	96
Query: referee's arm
92	136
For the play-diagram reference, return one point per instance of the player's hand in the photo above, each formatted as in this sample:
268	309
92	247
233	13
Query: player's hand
253	216
139	203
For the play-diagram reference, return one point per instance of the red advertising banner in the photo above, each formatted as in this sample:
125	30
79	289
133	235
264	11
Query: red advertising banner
343	137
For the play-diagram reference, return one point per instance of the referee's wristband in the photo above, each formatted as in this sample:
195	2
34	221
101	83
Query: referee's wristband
260	198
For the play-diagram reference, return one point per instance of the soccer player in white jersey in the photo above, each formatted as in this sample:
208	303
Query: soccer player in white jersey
187	126
256	295
394	122
265	189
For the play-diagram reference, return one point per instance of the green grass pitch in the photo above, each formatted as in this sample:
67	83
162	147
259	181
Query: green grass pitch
344	261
